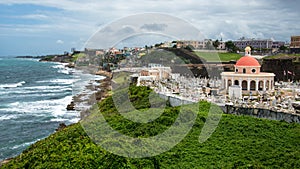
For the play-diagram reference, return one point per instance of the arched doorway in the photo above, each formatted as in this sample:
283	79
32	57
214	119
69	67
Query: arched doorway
244	85
252	85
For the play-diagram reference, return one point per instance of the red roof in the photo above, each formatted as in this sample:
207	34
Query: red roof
247	61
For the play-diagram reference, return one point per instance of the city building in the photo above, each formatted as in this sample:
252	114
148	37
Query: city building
295	44
247	75
259	44
254	43
221	46
198	45
193	43
277	44
155	72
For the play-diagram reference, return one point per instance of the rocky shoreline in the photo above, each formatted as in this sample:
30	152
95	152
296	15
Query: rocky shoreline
99	90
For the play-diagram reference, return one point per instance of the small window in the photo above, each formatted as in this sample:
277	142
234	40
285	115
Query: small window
253	70
244	70
236	70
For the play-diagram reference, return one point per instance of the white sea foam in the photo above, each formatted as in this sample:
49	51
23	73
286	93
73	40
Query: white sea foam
58	120
55	108
12	85
64	71
8	117
24	144
74	120
45	87
59	66
33	93
59	81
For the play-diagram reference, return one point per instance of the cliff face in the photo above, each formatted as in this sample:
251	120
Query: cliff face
284	68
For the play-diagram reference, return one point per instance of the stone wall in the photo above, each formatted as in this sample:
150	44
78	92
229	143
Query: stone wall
175	101
229	109
263	113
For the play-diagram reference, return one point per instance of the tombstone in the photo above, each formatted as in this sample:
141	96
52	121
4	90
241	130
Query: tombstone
235	92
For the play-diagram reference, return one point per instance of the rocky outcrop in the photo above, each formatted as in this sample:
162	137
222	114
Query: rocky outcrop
104	73
71	106
5	161
61	126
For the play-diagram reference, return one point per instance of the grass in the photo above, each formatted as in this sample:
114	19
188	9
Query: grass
217	57
238	142
77	56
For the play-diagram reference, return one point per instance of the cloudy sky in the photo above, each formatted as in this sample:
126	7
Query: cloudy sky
34	27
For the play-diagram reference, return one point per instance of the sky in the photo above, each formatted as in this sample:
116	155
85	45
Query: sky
34	27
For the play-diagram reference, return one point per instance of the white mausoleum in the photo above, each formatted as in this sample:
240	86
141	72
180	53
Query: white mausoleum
247	75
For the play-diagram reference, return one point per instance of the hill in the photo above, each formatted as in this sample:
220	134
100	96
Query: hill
238	142
217	57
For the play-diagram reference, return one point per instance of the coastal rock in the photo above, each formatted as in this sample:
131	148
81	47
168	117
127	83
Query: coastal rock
70	65
61	127
104	73
71	106
5	161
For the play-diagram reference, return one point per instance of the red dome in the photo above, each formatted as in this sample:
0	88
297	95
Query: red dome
247	61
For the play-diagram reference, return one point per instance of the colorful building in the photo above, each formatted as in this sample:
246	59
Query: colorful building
247	75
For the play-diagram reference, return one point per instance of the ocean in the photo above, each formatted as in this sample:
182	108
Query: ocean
33	100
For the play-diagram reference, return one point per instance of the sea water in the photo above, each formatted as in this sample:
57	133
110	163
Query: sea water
33	100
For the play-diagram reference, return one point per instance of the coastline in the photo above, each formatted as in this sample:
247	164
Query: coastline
97	90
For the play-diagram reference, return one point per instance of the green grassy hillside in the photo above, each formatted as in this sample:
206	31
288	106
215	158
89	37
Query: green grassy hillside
238	142
217	57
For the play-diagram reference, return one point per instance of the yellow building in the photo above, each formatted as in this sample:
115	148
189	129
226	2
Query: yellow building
295	44
247	75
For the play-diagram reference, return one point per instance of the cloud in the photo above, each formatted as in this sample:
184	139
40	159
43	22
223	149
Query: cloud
154	27
230	19
60	42
34	16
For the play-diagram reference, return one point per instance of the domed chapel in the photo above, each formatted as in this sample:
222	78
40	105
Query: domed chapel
247	75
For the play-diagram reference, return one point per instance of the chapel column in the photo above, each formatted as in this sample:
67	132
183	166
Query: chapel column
226	84
240	82
256	85
264	88
248	84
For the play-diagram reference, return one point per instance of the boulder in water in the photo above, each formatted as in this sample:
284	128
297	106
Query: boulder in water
71	106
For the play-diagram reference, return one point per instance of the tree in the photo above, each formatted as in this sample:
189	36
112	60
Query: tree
283	48
229	45
209	45
190	48
216	43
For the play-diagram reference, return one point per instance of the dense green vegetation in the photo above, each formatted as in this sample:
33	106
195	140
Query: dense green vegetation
238	142
77	56
217	57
